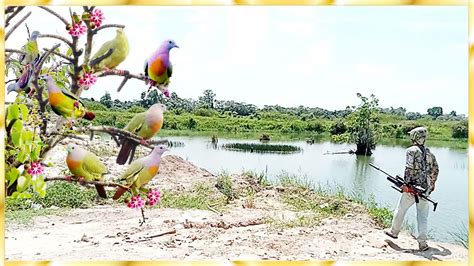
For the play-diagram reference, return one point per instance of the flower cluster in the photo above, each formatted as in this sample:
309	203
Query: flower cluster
136	202
97	17
35	169
88	79
77	29
153	197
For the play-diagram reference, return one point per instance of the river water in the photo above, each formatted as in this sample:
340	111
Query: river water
349	171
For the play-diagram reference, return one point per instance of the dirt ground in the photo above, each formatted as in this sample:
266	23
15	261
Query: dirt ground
112	232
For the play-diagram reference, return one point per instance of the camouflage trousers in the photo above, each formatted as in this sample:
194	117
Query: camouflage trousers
422	211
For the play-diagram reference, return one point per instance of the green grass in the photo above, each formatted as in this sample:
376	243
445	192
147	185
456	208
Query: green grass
199	197
263	148
26	216
308	220
461	235
224	185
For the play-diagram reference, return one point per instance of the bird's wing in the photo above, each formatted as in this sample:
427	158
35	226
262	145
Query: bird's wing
131	174
93	165
136	123
170	70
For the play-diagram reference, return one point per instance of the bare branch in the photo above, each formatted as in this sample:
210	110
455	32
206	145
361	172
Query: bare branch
16	25
105	184
108	26
125	79
122	134
60	55
9	50
54	36
55	14
17	10
43	59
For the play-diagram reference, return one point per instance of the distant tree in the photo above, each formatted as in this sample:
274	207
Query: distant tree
460	130
363	125
435	111
207	100
413	115
106	100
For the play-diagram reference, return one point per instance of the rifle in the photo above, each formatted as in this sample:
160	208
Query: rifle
399	182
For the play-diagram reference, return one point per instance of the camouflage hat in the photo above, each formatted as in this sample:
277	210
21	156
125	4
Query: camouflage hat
418	135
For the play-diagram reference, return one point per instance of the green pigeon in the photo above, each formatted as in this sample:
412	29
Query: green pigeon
31	50
65	103
111	53
140	172
84	164
146	125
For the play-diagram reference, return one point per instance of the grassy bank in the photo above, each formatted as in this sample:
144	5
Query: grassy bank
285	127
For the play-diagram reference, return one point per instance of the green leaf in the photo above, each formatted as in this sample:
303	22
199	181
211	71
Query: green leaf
23	183
23	154
15	133
24	195
13	112
39	184
15	194
12	175
35	153
24	112
27	137
69	52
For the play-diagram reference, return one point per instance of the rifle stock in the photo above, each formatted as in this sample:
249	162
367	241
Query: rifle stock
399	182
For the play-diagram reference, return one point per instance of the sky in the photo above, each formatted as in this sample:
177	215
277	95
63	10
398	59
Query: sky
410	56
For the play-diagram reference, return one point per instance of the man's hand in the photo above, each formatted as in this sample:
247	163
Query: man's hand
407	189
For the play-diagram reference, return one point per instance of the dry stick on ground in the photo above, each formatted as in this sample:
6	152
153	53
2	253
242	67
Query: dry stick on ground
105	184
172	231
16	25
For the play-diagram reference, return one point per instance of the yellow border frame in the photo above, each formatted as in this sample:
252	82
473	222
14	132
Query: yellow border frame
470	4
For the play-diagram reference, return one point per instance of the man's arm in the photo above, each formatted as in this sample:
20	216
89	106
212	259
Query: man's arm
434	172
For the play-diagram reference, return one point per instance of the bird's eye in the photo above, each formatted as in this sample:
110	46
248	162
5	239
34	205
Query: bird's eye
169	42
73	148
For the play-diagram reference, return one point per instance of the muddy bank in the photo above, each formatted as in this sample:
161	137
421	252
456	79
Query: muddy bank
263	226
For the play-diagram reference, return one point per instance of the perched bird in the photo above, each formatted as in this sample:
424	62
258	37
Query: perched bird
84	164
145	125
140	172
31	50
158	68
65	103
111	53
23	82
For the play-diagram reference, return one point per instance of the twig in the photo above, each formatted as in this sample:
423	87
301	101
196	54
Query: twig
141	222
9	50
125	79
16	25
122	134
43	59
56	14
214	210
84	182
54	36
172	231
108	26
9	9
17	10
60	55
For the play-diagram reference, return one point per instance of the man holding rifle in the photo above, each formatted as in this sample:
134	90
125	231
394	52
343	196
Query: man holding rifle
421	169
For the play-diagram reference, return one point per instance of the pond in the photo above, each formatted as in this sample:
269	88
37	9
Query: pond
349	171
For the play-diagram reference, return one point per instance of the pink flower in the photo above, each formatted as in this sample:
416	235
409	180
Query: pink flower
166	92
97	17
153	197
87	80
35	169
77	29
136	202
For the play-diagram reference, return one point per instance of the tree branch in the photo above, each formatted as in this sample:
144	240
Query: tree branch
15	12
16	25
43	59
54	36
105	184
108	26
55	14
123	73
122	134
60	55
9	50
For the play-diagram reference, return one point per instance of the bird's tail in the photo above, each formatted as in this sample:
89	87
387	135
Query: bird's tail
124	153
119	193
101	191
89	116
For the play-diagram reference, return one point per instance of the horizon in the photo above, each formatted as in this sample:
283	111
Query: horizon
413	57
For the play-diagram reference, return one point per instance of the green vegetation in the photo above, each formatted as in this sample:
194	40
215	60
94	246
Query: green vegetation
224	185
200	196
209	116
461	235
256	147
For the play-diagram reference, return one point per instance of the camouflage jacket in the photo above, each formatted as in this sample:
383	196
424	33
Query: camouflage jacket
421	167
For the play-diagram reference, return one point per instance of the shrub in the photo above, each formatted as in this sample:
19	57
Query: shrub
460	130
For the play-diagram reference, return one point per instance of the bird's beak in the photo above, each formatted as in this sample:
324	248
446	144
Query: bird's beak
176	46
